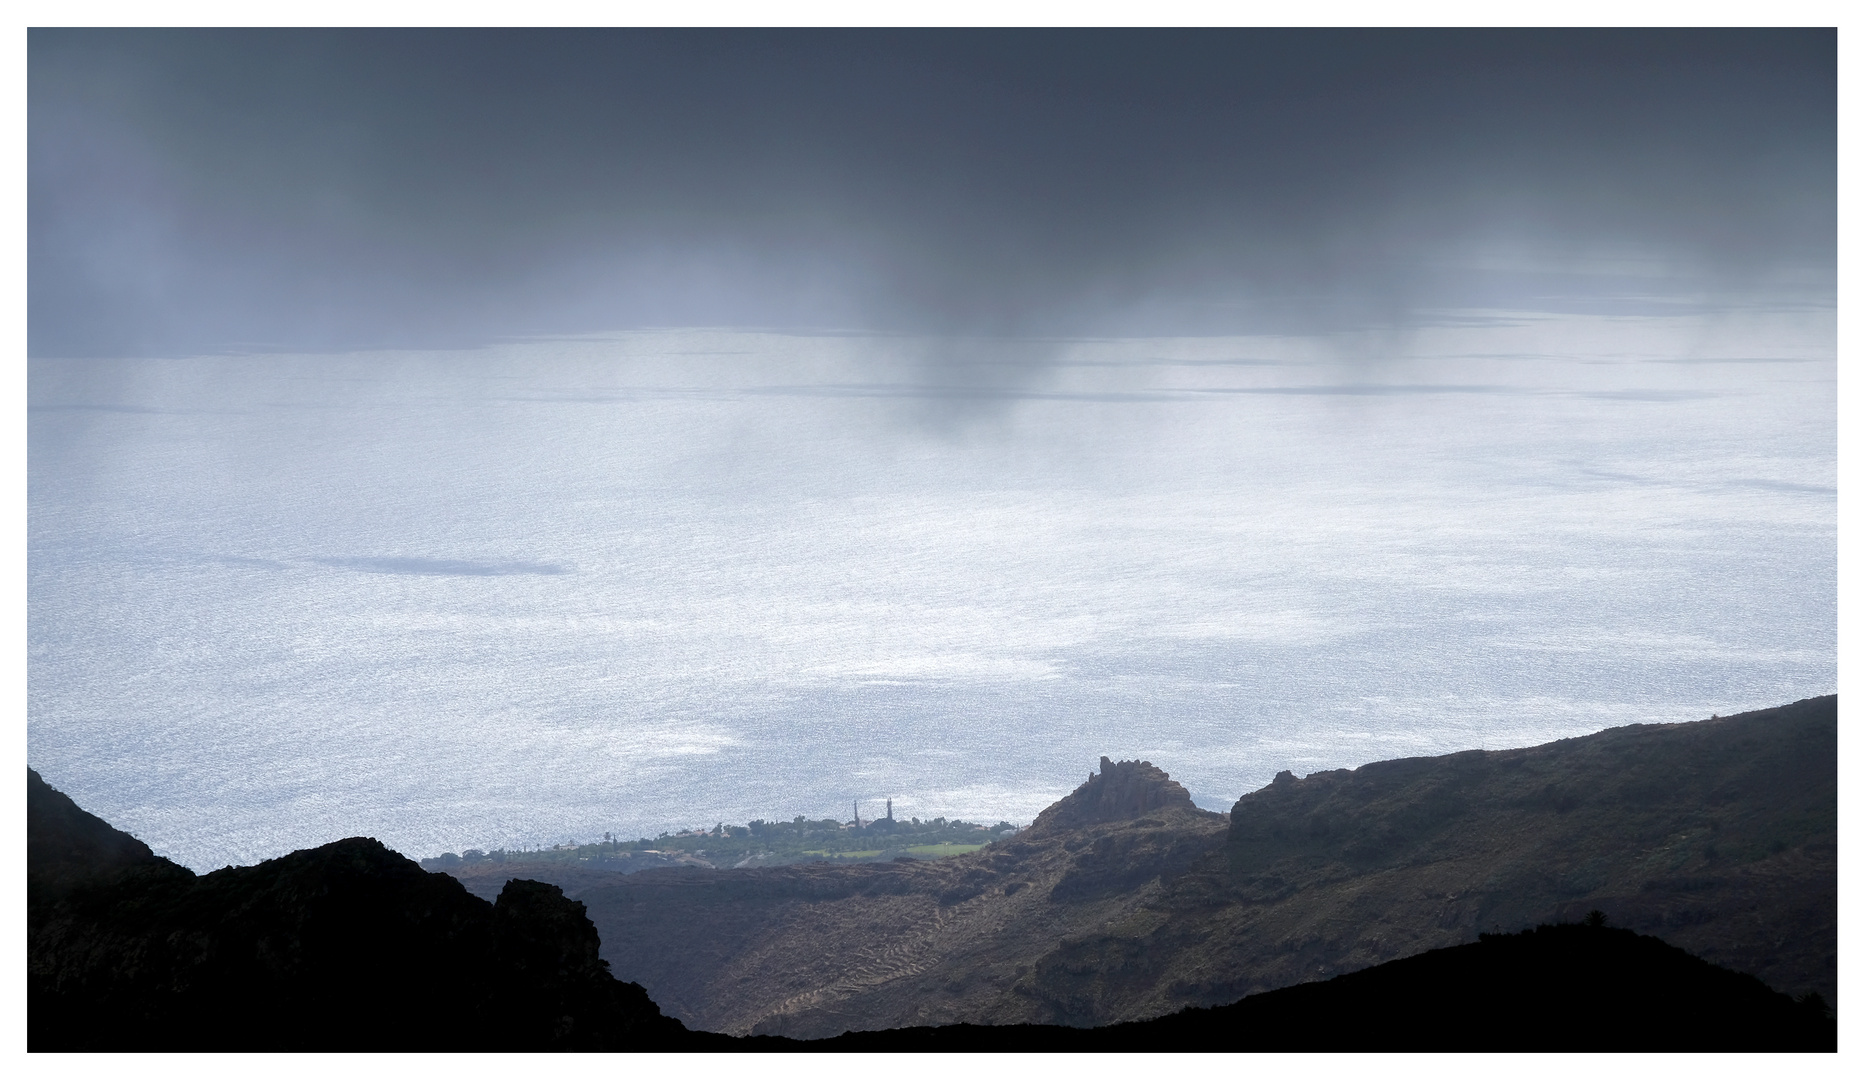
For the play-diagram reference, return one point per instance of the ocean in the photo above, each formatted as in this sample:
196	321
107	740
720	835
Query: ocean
547	589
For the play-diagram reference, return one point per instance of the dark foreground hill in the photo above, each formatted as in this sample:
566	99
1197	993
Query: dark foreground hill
1125	902
1567	987
344	947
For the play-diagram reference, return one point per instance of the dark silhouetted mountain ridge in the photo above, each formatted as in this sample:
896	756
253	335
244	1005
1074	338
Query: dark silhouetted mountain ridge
348	946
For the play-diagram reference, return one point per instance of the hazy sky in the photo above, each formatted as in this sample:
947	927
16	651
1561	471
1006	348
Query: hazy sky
223	189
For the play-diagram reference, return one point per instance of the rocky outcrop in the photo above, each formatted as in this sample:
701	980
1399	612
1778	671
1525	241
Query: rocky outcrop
344	947
1121	791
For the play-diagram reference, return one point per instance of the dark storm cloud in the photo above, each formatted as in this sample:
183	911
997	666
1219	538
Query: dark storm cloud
318	189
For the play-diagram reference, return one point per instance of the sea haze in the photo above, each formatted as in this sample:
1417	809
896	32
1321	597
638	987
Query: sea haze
554	588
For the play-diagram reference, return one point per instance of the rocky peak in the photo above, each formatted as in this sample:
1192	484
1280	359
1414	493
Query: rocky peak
1121	791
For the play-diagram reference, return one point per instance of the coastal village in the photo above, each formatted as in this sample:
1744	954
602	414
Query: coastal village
760	843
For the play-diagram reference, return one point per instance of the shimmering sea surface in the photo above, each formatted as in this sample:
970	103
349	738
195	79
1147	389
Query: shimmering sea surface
545	590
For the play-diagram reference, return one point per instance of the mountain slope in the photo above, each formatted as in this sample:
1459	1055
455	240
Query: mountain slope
1124	902
1720	835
